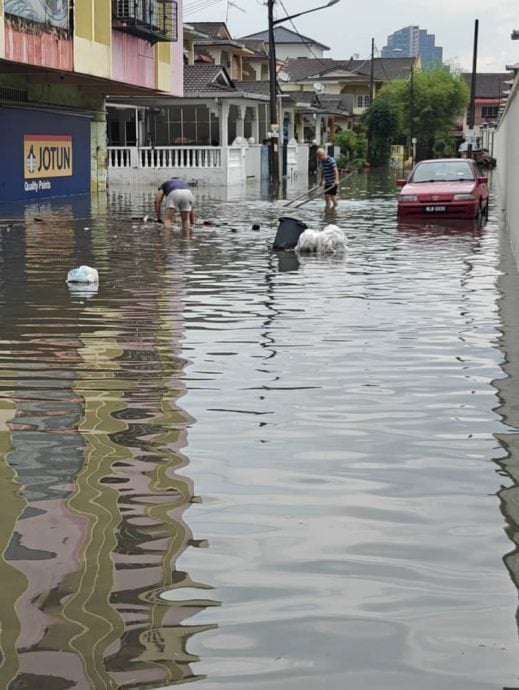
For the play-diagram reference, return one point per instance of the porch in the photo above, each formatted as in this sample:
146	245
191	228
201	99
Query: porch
211	140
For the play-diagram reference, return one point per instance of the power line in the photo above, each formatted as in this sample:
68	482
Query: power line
199	5
306	42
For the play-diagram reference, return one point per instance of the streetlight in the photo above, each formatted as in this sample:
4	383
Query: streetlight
274	124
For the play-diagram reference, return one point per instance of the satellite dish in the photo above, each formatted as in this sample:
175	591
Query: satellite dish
318	87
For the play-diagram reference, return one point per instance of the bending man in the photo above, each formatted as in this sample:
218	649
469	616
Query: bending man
178	198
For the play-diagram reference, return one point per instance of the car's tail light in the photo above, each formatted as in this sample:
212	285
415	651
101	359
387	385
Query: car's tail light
408	197
464	197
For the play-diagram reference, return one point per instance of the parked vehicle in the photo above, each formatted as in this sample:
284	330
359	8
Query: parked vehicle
447	187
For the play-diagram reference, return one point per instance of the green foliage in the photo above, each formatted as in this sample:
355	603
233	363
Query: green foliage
353	147
384	119
425	107
444	146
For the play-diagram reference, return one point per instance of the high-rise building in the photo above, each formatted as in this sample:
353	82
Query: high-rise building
412	41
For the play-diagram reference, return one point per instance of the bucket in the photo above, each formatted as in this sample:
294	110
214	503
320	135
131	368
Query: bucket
288	233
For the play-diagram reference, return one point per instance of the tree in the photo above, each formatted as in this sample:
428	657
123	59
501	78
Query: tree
384	122
425	107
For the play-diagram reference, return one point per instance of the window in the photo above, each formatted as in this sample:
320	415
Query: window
440	170
155	20
362	101
489	112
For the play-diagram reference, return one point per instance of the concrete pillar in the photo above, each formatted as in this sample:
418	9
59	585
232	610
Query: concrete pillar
331	129
291	124
300	128
224	123
317	136
240	121
98	152
255	125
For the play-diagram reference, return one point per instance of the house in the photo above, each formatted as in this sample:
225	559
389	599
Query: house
290	44
218	131
214	44
490	91
56	67
339	90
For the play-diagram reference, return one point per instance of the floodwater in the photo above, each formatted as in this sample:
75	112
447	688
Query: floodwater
241	469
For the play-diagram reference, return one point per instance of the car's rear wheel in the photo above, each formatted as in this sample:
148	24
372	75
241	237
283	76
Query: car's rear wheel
479	215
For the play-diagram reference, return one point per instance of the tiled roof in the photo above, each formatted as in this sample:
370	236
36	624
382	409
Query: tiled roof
304	68
258	87
284	35
384	69
490	84
204	78
259	48
340	104
209	28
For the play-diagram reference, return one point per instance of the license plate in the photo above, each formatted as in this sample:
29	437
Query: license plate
435	209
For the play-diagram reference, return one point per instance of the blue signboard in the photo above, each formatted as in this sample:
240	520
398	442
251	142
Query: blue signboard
46	154
53	12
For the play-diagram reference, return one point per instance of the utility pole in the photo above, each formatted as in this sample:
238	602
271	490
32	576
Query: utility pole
472	105
274	122
371	94
412	140
274	125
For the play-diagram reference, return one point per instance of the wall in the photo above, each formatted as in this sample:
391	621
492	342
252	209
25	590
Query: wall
43	49
129	177
92	37
54	141
506	151
133	60
285	51
253	167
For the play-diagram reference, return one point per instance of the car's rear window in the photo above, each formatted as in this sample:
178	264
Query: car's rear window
439	171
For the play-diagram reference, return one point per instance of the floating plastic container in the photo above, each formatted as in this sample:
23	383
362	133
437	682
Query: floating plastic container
288	233
83	274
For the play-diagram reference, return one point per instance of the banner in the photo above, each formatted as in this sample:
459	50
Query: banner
53	12
46	154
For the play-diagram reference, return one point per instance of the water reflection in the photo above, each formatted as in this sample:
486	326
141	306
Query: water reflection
91	437
344	444
441	229
506	385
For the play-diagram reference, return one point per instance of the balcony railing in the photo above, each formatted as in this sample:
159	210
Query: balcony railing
187	157
153	20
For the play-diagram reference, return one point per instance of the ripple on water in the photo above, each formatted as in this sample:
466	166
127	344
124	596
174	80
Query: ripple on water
324	425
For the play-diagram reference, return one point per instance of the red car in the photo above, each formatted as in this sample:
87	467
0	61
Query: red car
447	187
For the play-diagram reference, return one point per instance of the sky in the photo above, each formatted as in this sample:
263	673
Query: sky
348	27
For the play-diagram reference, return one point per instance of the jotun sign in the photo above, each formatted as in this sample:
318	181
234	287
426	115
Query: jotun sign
47	155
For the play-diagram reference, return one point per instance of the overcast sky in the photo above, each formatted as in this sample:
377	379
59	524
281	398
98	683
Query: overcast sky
348	27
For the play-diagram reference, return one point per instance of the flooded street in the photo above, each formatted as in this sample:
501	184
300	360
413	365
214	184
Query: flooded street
241	469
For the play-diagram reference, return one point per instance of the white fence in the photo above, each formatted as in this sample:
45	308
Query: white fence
164	157
214	164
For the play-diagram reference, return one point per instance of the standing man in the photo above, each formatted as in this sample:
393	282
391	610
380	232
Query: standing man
330	177
178	198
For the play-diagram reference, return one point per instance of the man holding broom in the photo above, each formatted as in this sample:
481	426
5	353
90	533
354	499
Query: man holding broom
330	177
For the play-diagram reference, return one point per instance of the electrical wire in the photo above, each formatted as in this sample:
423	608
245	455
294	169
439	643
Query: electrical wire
199	5
190	5
306	41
